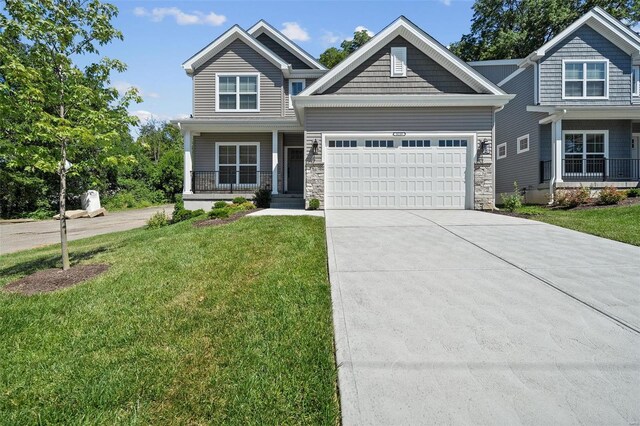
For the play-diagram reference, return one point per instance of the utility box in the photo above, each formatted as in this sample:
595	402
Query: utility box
91	201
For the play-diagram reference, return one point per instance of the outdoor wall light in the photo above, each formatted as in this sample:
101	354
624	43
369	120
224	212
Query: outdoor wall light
485	147
314	147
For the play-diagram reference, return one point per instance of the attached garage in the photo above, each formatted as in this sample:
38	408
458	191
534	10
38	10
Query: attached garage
412	171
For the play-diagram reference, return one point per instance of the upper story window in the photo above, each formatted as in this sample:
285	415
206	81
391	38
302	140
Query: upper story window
522	144
398	62
238	92
636	80
585	79
295	87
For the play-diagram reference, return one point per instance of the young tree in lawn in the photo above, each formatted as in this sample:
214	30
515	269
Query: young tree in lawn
56	109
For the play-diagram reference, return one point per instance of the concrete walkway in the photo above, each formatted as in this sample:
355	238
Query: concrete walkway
463	317
22	236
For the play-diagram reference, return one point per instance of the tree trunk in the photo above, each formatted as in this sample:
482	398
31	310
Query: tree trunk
63	208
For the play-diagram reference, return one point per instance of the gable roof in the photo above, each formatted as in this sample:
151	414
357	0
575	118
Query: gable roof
605	24
234	33
263	26
409	31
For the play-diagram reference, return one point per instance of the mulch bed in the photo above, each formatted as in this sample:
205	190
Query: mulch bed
49	280
218	222
589	206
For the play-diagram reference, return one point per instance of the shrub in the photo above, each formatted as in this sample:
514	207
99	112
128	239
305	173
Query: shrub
219	213
158	220
247	205
513	201
262	198
239	200
219	204
633	192
179	204
182	215
570	198
610	195
41	214
314	204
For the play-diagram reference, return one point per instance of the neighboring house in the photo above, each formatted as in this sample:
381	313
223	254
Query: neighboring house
400	123
575	120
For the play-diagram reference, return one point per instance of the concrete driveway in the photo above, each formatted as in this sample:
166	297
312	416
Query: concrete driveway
22	236
464	317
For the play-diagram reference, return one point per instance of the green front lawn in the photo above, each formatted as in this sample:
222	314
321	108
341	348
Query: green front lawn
620	223
215	325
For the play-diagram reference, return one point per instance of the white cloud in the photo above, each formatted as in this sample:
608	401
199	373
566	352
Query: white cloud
363	28
144	116
152	95
329	38
294	31
446	2
123	86
158	14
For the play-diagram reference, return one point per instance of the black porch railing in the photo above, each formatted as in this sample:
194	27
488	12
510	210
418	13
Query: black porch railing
231	181
594	169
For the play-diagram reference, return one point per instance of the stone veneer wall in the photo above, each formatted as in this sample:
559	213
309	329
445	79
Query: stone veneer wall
314	183
483	184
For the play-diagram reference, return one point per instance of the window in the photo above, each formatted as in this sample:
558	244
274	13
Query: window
635	79
238	163
452	143
523	144
420	143
295	87
502	151
238	92
585	79
398	62
343	144
378	144
584	152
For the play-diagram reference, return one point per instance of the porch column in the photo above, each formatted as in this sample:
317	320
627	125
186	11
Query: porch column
557	150
274	162
188	166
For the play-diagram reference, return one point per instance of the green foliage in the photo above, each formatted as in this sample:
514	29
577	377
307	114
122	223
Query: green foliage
333	55
220	213
570	198
314	204
239	200
513	201
158	220
633	192
220	204
503	29
610	195
227	210
181	215
133	194
262	198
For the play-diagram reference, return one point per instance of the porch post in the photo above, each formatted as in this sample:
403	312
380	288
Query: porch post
557	150
274	162
188	166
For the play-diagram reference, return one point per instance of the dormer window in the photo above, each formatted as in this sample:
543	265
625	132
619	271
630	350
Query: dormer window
238	92
398	62
636	80
295	87
585	79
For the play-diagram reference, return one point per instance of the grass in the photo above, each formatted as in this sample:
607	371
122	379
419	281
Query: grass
620	223
218	325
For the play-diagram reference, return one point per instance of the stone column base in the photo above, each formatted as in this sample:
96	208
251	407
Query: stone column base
314	183
483	186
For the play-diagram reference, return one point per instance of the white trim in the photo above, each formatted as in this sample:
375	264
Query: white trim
237	145
405	28
263	26
536	83
584	153
520	151
286	165
498	156
511	76
296	80
275	146
495	62
398	62
635	71
188	163
238	93
223	41
585	79
556	155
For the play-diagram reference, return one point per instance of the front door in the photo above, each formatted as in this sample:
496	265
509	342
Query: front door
295	170
635	155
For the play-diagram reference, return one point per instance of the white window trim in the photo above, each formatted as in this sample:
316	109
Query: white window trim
237	145
238	75
584	78
393	61
584	141
296	80
635	91
498	156
520	151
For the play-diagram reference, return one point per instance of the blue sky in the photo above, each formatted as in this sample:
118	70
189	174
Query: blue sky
160	35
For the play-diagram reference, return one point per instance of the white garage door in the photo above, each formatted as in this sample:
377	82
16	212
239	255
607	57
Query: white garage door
396	173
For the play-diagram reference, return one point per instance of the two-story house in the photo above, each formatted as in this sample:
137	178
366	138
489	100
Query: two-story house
400	123
575	120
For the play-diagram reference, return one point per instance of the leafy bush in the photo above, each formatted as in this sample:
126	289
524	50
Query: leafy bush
158	220
41	214
610	195
219	213
179	204
314	204
262	198
513	201
239	200
247	205
570	198
134	194
182	215
633	192
219	204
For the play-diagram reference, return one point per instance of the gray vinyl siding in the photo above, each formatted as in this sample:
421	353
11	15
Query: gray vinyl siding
290	112
204	149
511	123
586	43
237	57
424	75
282	52
495	73
545	142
